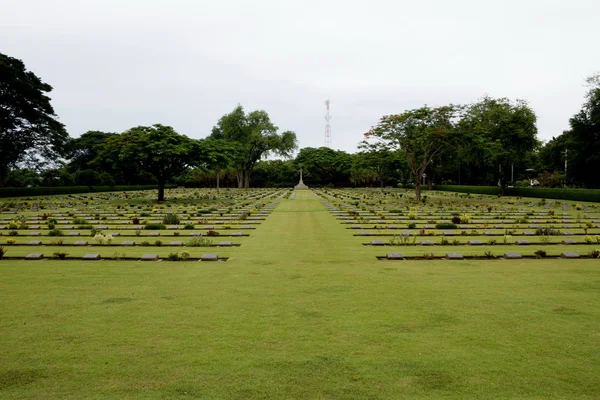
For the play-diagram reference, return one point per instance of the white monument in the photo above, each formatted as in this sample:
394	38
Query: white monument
300	185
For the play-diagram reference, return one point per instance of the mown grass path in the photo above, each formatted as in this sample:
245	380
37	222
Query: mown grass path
300	311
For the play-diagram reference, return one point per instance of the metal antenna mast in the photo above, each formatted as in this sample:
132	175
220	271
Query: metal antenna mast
327	125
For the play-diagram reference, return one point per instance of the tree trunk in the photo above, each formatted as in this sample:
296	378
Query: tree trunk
161	191
418	190
502	186
218	176
247	179
240	179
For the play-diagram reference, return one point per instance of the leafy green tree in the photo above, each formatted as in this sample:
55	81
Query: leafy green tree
217	156
377	164
22	177
324	166
256	137
157	150
28	124
504	133
275	173
419	135
82	151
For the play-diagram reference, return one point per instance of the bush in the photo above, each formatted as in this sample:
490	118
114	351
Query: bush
80	221
199	241
55	232
155	226
456	219
412	225
173	257
547	232
189	226
2	252
212	233
171	219
540	254
60	255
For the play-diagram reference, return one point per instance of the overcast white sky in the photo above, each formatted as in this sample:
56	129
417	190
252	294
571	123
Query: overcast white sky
118	64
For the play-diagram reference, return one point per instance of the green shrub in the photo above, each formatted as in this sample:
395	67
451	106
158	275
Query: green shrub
171	219
412	225
80	221
198	241
155	226
189	226
173	257
55	232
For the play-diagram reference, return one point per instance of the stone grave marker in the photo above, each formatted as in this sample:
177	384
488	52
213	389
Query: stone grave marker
426	242
34	256
522	242
569	254
149	257
569	241
81	243
395	256
93	256
512	255
128	243
454	256
225	243
34	242
209	257
176	243
475	242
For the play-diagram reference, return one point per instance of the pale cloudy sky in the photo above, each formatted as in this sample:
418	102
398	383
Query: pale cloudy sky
118	64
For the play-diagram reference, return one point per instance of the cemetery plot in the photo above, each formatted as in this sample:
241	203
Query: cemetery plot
473	226
130	225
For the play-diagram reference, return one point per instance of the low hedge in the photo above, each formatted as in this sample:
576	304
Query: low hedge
49	191
592	195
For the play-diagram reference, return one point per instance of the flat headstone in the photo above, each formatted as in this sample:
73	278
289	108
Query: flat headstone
395	256
149	257
245	227
490	233
355	227
102	227
237	234
34	234
34	227
567	233
522	242
154	234
475	242
528	233
176	243
569	241
209	257
73	234
68	227
209	227
128	243
94	256
364	233
81	243
225	243
512	255
172	227
34	256
426	242
392	226
569	254
454	256
195	234
498	227
34	242
448	233
114	234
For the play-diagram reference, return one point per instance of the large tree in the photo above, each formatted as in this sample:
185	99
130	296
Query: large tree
28	124
216	156
504	133
255	136
419	135
83	150
324	166
157	150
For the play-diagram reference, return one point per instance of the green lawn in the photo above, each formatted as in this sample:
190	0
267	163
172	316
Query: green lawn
300	311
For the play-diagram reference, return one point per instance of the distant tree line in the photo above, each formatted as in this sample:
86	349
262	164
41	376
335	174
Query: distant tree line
490	142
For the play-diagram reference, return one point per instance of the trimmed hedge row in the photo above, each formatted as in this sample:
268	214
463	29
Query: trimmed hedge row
592	195
49	191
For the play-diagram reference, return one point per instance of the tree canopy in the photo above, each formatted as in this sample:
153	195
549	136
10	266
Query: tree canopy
256	137
157	150
419	135
28	125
